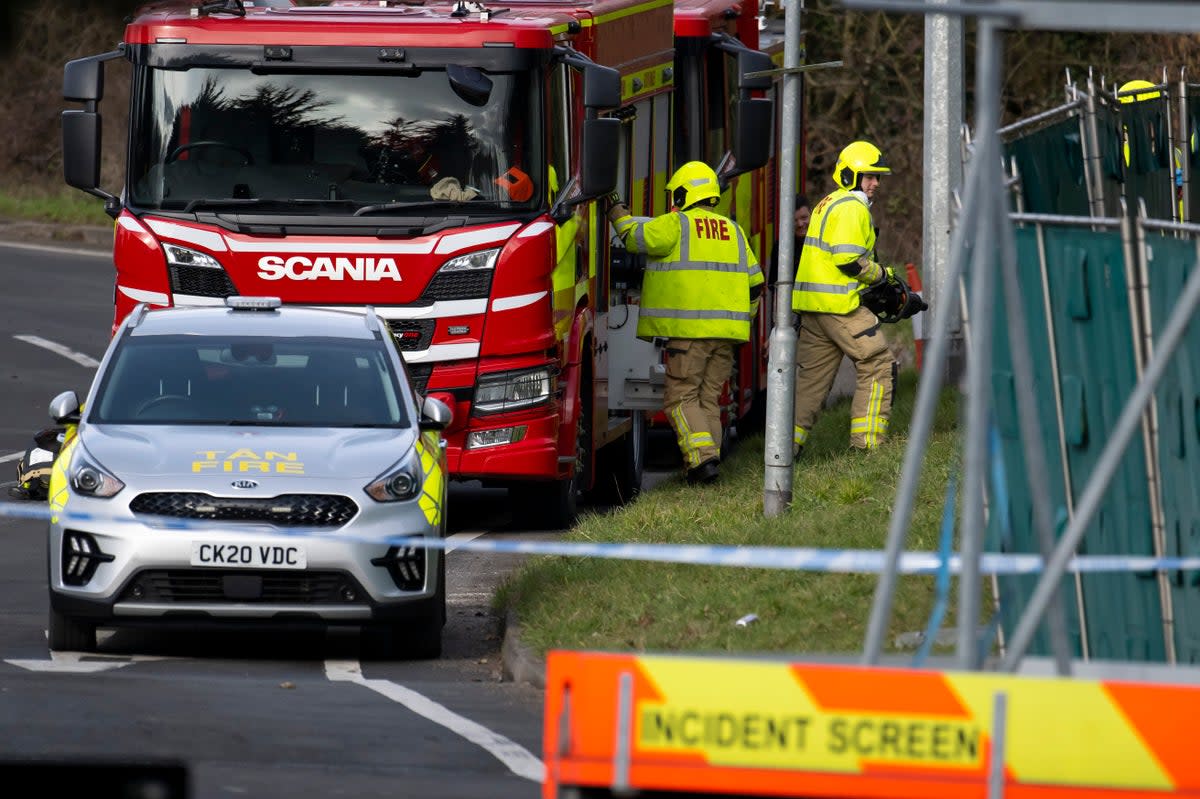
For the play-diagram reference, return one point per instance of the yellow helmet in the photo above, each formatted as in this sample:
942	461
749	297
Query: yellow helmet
1140	96
858	158
693	182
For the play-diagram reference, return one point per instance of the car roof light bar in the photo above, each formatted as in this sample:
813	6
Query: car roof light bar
239	303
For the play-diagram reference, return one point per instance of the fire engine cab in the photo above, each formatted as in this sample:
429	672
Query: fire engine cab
441	162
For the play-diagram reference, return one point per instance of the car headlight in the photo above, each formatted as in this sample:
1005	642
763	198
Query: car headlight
90	479
401	482
484	259
182	256
513	390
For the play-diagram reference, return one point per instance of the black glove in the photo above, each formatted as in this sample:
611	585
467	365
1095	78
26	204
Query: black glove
614	199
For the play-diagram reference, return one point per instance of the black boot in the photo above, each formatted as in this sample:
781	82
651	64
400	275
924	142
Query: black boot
704	473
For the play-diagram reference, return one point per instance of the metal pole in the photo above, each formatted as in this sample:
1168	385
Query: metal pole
928	391
1037	473
999	746
781	354
1089	504
942	153
979	358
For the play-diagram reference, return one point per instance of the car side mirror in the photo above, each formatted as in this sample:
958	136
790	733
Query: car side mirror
64	409
435	414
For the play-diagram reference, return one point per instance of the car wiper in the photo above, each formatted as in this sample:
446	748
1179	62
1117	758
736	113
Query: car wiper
237	202
399	206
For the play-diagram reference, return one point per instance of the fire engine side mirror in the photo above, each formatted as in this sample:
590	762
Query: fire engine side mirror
83	81
601	146
601	87
752	61
751	149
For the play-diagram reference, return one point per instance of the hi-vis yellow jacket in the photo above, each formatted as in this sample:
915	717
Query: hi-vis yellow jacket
840	232
699	276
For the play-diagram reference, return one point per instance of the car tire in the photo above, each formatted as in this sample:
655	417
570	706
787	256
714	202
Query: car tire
417	639
71	635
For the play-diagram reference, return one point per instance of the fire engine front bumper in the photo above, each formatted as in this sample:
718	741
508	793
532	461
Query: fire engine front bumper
508	447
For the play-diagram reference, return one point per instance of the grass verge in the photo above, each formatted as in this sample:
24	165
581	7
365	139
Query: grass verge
65	207
841	500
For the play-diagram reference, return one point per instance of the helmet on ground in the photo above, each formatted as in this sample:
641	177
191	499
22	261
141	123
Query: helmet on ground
1140	96
693	182
859	158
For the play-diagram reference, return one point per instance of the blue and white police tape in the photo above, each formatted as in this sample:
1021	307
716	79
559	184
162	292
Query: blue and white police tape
809	559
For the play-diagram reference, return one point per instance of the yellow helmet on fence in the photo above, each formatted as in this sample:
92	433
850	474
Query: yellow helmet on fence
1134	85
693	182
858	158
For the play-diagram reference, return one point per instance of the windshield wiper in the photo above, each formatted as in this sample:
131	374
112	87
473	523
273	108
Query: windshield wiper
397	206
237	202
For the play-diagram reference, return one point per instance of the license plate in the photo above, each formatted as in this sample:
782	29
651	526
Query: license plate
248	556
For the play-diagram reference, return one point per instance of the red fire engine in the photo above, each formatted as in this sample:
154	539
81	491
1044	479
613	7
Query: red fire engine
441	162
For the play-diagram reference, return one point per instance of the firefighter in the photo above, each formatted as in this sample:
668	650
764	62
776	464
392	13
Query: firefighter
1148	91
700	293
836	265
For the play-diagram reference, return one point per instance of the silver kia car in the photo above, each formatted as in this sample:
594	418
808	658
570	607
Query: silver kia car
250	464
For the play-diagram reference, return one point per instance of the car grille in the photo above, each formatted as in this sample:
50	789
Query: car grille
287	510
468	284
201	281
243	585
413	334
418	375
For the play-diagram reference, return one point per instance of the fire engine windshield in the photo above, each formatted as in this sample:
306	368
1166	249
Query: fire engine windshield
223	139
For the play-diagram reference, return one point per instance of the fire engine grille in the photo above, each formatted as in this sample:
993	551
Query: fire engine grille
228	586
201	281
418	375
286	510
413	334
468	284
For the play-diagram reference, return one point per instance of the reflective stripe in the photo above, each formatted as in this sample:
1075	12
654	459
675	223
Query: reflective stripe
683	266
826	288
683	435
834	249
639	236
685	239
799	435
743	261
674	313
702	440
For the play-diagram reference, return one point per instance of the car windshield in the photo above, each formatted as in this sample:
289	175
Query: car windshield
231	140
223	380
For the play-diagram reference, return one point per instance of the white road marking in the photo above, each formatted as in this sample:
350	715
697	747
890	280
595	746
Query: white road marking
77	663
454	540
517	758
59	349
59	250
12	456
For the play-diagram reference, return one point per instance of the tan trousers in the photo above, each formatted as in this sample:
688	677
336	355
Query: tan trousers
824	338
696	372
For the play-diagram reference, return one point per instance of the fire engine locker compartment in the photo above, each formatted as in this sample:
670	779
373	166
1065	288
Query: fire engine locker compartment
636	375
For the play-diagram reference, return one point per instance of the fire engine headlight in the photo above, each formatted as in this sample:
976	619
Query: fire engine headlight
484	259
513	390
91	479
401	482
182	256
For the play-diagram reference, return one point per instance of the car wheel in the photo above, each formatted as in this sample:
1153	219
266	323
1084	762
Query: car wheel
417	639
71	635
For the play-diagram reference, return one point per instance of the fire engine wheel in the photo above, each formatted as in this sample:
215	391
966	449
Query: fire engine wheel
554	505
621	465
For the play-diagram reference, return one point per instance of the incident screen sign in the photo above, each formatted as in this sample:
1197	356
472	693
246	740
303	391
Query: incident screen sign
825	741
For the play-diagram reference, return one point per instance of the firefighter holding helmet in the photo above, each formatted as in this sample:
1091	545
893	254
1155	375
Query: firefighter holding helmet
700	293
837	265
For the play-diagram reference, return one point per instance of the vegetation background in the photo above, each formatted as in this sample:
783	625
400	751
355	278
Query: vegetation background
877	95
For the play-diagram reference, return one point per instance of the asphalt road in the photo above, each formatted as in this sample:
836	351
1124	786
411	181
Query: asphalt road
241	715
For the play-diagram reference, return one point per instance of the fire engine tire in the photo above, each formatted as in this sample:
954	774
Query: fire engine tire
67	634
621	465
554	505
